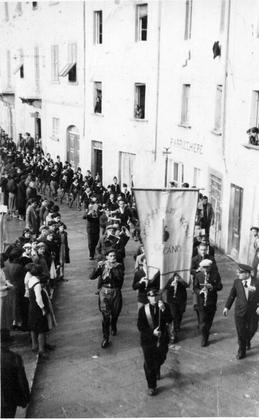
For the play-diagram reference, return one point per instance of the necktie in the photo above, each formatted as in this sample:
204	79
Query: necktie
245	283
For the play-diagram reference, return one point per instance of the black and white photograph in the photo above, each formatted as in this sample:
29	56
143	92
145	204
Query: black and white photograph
129	208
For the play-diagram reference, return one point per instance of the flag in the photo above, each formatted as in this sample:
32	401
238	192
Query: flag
167	219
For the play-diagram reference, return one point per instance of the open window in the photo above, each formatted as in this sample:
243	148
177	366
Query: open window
141	22
70	69
98	27
97	97
185	113
140	99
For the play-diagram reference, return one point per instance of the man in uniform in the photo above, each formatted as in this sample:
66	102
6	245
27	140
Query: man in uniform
207	283
153	320
110	298
246	292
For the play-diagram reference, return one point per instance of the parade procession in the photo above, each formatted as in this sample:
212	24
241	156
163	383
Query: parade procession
126	240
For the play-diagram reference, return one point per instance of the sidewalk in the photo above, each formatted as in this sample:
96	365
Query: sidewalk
21	343
83	380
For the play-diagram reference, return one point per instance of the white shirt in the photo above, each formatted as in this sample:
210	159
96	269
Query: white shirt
248	283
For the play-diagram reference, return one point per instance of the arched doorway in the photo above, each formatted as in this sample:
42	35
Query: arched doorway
73	145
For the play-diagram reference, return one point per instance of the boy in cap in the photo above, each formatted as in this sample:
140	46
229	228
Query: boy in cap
207	283
246	292
153	320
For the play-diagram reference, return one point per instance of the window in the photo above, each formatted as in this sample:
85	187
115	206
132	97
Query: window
54	63
72	58
178	173
8	68
257	25
222	15
18	8
55	128
70	68
196	177
139	106
34	5
37	67
97	97
188	19
141	22
254	120
98	27
185	117
126	168
20	67
6	9
218	109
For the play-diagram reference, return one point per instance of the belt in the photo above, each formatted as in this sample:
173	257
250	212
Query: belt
108	286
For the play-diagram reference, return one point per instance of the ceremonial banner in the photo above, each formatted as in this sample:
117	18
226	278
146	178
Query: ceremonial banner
167	219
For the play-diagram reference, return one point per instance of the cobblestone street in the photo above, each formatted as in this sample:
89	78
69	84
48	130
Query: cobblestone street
83	380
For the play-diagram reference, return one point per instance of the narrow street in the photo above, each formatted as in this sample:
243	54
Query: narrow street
83	380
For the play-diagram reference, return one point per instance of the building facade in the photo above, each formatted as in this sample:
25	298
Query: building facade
111	85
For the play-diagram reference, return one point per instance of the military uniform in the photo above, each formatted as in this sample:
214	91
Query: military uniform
110	297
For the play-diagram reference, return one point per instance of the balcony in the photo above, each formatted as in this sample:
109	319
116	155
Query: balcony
7	96
31	100
253	139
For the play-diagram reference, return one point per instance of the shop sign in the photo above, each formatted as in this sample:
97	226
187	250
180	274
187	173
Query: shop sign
187	145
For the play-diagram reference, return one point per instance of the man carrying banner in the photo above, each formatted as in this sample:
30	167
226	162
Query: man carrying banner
207	283
153	320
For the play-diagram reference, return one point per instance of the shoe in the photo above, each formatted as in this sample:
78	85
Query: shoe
97	292
248	345
105	343
204	342
114	330
240	356
50	347
158	375
152	391
91	258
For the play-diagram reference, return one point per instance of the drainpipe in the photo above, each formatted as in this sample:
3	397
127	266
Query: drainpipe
158	76
84	68
226	74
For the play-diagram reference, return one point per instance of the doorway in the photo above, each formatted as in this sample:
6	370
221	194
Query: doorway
235	215
37	128
97	159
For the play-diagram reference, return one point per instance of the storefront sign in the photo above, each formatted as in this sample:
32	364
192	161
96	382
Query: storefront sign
187	145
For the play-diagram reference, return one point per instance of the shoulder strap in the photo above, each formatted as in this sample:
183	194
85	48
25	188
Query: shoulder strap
148	315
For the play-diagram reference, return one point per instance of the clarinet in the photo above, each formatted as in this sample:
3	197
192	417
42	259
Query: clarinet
204	290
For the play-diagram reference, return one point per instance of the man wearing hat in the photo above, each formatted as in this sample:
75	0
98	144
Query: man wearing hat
153	321
107	241
110	298
207	283
246	292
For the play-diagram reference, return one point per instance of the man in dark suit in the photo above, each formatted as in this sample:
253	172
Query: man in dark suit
154	337
246	292
207	216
